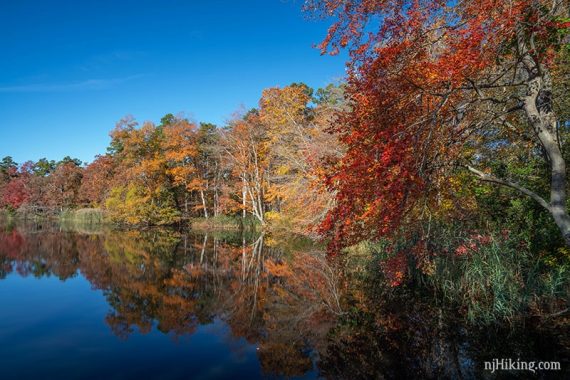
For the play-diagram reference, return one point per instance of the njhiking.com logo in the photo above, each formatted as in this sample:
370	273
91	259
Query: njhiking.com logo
521	365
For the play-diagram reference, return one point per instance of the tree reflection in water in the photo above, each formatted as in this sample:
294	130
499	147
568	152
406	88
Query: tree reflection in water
299	307
175	282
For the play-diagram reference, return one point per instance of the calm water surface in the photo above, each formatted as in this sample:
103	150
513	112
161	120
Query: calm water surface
166	305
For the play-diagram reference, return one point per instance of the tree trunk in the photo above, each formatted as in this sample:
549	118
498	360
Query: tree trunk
185	202
216	201
544	122
204	204
244	198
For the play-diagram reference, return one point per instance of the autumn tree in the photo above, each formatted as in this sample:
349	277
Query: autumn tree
63	185
297	143
96	181
14	193
274	155
17	189
143	193
209	167
180	151
245	146
285	115
433	86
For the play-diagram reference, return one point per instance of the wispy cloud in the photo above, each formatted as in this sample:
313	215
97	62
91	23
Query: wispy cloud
104	60
86	85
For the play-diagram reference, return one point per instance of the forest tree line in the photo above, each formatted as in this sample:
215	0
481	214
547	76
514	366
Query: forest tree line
265	164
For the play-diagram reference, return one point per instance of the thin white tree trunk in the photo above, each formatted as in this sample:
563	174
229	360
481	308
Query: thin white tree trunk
204	204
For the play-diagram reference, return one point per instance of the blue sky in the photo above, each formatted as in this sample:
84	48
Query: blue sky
71	69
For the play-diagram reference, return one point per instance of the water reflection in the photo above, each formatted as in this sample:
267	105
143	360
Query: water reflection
305	314
177	282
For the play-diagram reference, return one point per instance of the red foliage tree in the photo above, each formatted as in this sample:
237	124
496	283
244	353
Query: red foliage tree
63	185
424	77
15	193
96	182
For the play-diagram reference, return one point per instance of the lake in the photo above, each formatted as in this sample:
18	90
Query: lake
164	304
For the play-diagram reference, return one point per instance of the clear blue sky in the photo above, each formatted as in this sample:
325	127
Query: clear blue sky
70	69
